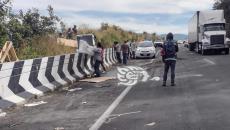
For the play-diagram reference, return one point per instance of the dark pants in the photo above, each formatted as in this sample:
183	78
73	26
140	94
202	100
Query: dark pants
103	66
133	54
118	56
169	64
97	68
125	58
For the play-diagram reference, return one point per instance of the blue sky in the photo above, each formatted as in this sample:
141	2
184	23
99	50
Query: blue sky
160	16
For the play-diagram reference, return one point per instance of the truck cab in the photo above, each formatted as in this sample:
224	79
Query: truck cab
207	32
214	37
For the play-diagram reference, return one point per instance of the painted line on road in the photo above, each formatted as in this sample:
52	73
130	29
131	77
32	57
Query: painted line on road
111	108
209	61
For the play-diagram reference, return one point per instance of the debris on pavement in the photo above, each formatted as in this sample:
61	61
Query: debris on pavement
2	114
114	116
151	124
59	128
97	80
84	103
65	88
35	104
156	79
75	89
129	113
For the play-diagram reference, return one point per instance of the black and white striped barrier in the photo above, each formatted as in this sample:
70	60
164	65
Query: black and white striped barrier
22	80
105	60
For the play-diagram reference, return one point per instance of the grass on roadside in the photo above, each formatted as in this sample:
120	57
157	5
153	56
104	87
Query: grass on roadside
42	47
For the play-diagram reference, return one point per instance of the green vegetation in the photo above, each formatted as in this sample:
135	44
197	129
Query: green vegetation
225	5
34	35
107	34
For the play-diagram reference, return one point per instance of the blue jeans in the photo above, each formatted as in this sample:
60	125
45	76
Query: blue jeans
125	57
97	68
172	65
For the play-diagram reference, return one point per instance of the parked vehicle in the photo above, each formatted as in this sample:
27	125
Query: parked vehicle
145	49
158	44
180	42
186	44
206	31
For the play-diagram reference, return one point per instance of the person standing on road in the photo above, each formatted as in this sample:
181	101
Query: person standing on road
133	49
118	51
125	52
169	56
98	59
102	59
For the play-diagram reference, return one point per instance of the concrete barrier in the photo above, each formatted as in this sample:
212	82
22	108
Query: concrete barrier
114	56
108	57
105	60
23	80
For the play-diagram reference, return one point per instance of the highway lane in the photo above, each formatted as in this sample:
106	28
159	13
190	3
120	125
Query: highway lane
200	101
76	110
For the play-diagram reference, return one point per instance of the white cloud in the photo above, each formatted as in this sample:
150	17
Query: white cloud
120	6
124	6
128	24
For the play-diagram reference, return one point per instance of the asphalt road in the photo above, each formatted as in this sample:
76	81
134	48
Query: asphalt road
199	101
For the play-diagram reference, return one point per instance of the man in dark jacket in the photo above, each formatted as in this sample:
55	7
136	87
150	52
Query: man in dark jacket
170	48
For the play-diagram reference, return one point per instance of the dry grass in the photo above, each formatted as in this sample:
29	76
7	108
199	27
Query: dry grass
41	47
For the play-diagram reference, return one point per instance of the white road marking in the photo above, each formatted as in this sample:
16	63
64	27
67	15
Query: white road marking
107	113
209	61
151	124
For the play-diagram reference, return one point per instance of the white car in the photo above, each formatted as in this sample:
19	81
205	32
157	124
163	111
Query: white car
145	49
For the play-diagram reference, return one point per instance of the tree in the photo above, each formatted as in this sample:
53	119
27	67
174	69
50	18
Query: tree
4	9
49	22
225	5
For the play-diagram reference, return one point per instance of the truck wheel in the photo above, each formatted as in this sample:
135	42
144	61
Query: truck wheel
199	49
203	52
191	48
227	51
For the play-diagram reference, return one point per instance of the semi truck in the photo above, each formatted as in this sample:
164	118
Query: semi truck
206	32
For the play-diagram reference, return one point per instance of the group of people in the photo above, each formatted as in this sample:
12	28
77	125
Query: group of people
125	51
71	32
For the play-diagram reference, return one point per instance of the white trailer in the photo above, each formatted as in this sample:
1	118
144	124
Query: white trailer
206	31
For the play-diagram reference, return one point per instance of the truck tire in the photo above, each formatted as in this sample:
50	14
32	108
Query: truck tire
227	51
191	47
199	49
204	52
